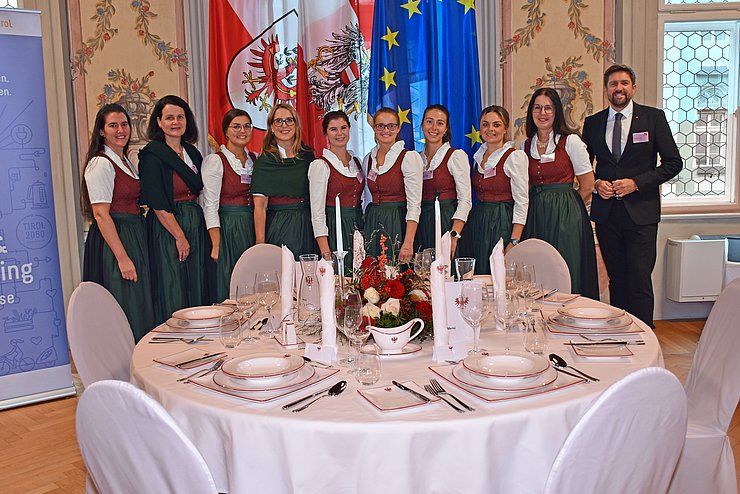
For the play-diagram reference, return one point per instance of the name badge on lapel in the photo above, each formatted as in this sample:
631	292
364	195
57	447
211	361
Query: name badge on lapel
428	174
638	137
489	172
547	158
246	178
372	175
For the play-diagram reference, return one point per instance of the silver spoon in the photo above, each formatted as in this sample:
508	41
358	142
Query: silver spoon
333	391
561	364
189	341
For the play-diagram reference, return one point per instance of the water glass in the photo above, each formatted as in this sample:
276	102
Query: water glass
465	267
230	332
510	275
534	339
246	303
367	368
355	331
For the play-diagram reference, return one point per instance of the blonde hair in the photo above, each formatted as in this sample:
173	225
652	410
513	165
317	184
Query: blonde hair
269	143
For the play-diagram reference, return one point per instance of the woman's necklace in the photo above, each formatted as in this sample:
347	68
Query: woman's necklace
541	145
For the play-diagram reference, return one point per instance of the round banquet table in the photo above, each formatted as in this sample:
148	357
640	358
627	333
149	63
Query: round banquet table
345	445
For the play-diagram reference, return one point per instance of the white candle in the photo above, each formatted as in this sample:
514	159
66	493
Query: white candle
338	214
437	228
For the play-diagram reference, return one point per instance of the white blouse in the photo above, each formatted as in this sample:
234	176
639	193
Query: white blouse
318	181
459	167
412	168
212	172
575	148
100	176
516	167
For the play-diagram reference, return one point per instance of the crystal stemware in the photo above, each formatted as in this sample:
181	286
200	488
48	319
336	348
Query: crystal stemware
246	303
268	288
471	308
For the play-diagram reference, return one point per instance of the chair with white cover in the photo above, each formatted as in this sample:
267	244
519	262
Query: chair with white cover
99	334
129	443
628	441
707	464
260	257
550	267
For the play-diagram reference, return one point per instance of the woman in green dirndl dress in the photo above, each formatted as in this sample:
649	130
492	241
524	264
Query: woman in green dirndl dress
170	184
446	177
557	212
394	177
337	172
501	186
282	215
227	198
116	251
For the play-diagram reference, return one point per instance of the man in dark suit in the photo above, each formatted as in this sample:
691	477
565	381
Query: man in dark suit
626	139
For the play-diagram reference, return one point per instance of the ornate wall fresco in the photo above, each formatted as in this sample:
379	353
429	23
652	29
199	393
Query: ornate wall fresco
130	52
563	44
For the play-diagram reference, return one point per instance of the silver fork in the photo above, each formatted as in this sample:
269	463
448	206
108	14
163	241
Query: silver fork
431	391
442	391
189	341
204	372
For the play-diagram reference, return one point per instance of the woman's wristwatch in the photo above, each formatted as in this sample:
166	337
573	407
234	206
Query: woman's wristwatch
514	241
455	234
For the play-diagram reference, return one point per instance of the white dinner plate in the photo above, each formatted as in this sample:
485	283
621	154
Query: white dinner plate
270	368
591	313
621	322
407	349
225	381
506	365
203	313
506	385
185	325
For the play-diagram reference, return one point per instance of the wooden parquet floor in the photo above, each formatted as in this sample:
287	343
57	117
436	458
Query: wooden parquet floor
38	447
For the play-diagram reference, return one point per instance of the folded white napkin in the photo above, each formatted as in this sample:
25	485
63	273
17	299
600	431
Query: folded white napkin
498	270
286	284
439	303
325	273
358	251
446	247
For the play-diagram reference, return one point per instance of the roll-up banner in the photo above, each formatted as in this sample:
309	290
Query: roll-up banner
34	357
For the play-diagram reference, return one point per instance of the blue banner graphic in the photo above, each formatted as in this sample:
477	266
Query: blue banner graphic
426	52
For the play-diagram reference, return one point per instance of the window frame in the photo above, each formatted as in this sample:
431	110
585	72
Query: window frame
717	16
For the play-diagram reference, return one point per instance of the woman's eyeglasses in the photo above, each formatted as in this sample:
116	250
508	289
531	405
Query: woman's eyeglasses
280	122
390	126
239	127
547	110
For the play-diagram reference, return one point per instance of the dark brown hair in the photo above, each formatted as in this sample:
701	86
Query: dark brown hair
155	133
231	115
619	68
501	112
334	115
447	137
558	125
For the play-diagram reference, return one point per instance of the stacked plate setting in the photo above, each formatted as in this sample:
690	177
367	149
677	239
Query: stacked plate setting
574	320
264	372
510	371
202	320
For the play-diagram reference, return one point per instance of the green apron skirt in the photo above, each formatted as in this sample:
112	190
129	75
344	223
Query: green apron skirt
176	284
388	219
351	221
557	215
425	234
487	223
290	225
101	267
237	235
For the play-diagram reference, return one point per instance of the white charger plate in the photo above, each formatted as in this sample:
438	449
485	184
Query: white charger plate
269	368
620	322
203	313
591	313
390	398
407	350
617	350
225	381
474	381
506	365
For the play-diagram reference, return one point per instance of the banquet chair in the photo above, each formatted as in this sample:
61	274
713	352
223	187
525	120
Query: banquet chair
550	267
99	334
129	443
260	257
707	464
629	440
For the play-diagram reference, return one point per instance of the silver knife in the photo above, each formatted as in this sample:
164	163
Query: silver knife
409	390
204	357
293	403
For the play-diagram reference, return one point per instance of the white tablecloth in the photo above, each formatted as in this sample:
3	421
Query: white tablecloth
344	445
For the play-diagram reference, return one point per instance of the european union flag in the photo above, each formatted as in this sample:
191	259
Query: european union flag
426	52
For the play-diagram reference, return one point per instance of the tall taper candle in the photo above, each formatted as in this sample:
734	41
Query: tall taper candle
338	214
437	228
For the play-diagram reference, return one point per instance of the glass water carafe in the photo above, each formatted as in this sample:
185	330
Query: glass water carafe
309	308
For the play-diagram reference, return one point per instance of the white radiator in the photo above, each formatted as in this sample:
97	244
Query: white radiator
695	269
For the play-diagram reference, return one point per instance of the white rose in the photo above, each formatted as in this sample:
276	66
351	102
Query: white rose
391	306
372	295
371	310
418	295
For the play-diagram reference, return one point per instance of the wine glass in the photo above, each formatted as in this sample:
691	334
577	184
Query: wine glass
246	303
268	288
427	256
525	280
344	299
465	267
419	263
471	308
356	332
506	313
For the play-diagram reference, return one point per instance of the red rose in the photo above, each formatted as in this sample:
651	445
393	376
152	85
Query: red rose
367	262
395	289
142	32
368	280
424	309
145	8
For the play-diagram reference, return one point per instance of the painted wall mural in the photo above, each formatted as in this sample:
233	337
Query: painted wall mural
129	52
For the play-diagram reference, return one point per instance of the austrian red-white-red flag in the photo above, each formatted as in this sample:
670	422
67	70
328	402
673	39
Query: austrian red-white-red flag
309	53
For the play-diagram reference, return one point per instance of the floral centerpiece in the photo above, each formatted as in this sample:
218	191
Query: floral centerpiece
392	298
